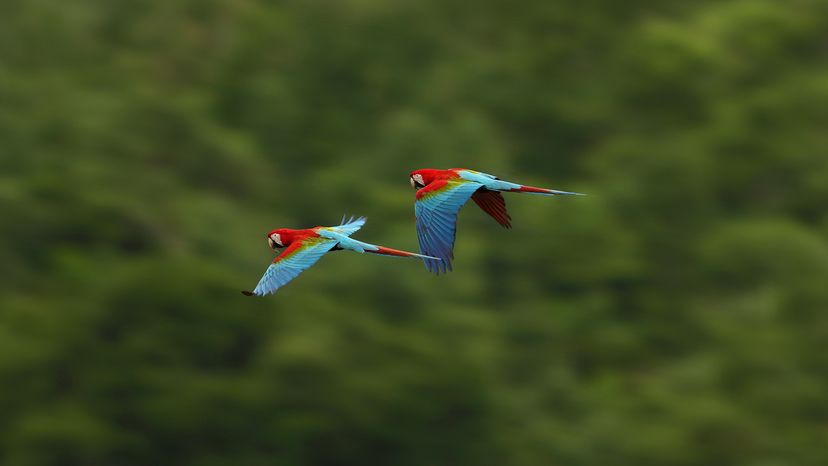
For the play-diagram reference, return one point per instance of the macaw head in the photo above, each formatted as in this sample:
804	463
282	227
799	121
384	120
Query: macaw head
277	239
420	178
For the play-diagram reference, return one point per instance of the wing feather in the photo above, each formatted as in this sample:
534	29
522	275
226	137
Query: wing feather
436	209
350	227
492	203
297	258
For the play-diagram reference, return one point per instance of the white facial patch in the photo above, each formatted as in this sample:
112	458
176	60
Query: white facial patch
276	238
419	179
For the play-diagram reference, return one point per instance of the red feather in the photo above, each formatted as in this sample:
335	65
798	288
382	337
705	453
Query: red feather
492	203
532	189
390	252
430	188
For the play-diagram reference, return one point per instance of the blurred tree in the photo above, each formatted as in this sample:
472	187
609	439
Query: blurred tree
676	315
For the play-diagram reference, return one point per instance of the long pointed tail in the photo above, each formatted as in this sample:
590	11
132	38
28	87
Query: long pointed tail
397	253
543	191
359	246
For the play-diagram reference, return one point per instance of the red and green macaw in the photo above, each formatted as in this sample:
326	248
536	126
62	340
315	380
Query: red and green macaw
441	194
302	248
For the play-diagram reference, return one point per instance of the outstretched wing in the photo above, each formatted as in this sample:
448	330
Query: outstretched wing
350	227
492	203
297	258
436	209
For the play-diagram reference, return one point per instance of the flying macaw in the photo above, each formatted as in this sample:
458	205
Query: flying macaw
441	194
305	247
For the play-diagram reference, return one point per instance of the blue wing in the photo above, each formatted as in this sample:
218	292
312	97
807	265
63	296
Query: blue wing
350	227
436	211
297	258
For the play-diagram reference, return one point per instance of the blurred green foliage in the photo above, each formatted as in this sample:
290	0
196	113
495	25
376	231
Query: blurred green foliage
678	315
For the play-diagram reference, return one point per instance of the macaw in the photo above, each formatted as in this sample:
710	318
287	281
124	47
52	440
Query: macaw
441	194
304	247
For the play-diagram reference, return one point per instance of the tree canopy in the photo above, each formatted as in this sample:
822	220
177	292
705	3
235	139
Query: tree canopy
677	315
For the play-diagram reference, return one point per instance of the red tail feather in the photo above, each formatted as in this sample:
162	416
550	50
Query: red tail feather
390	252
532	189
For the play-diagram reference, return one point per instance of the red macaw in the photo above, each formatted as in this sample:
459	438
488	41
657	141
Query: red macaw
305	247
441	194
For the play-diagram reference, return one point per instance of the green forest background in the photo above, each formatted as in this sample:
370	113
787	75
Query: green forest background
678	315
